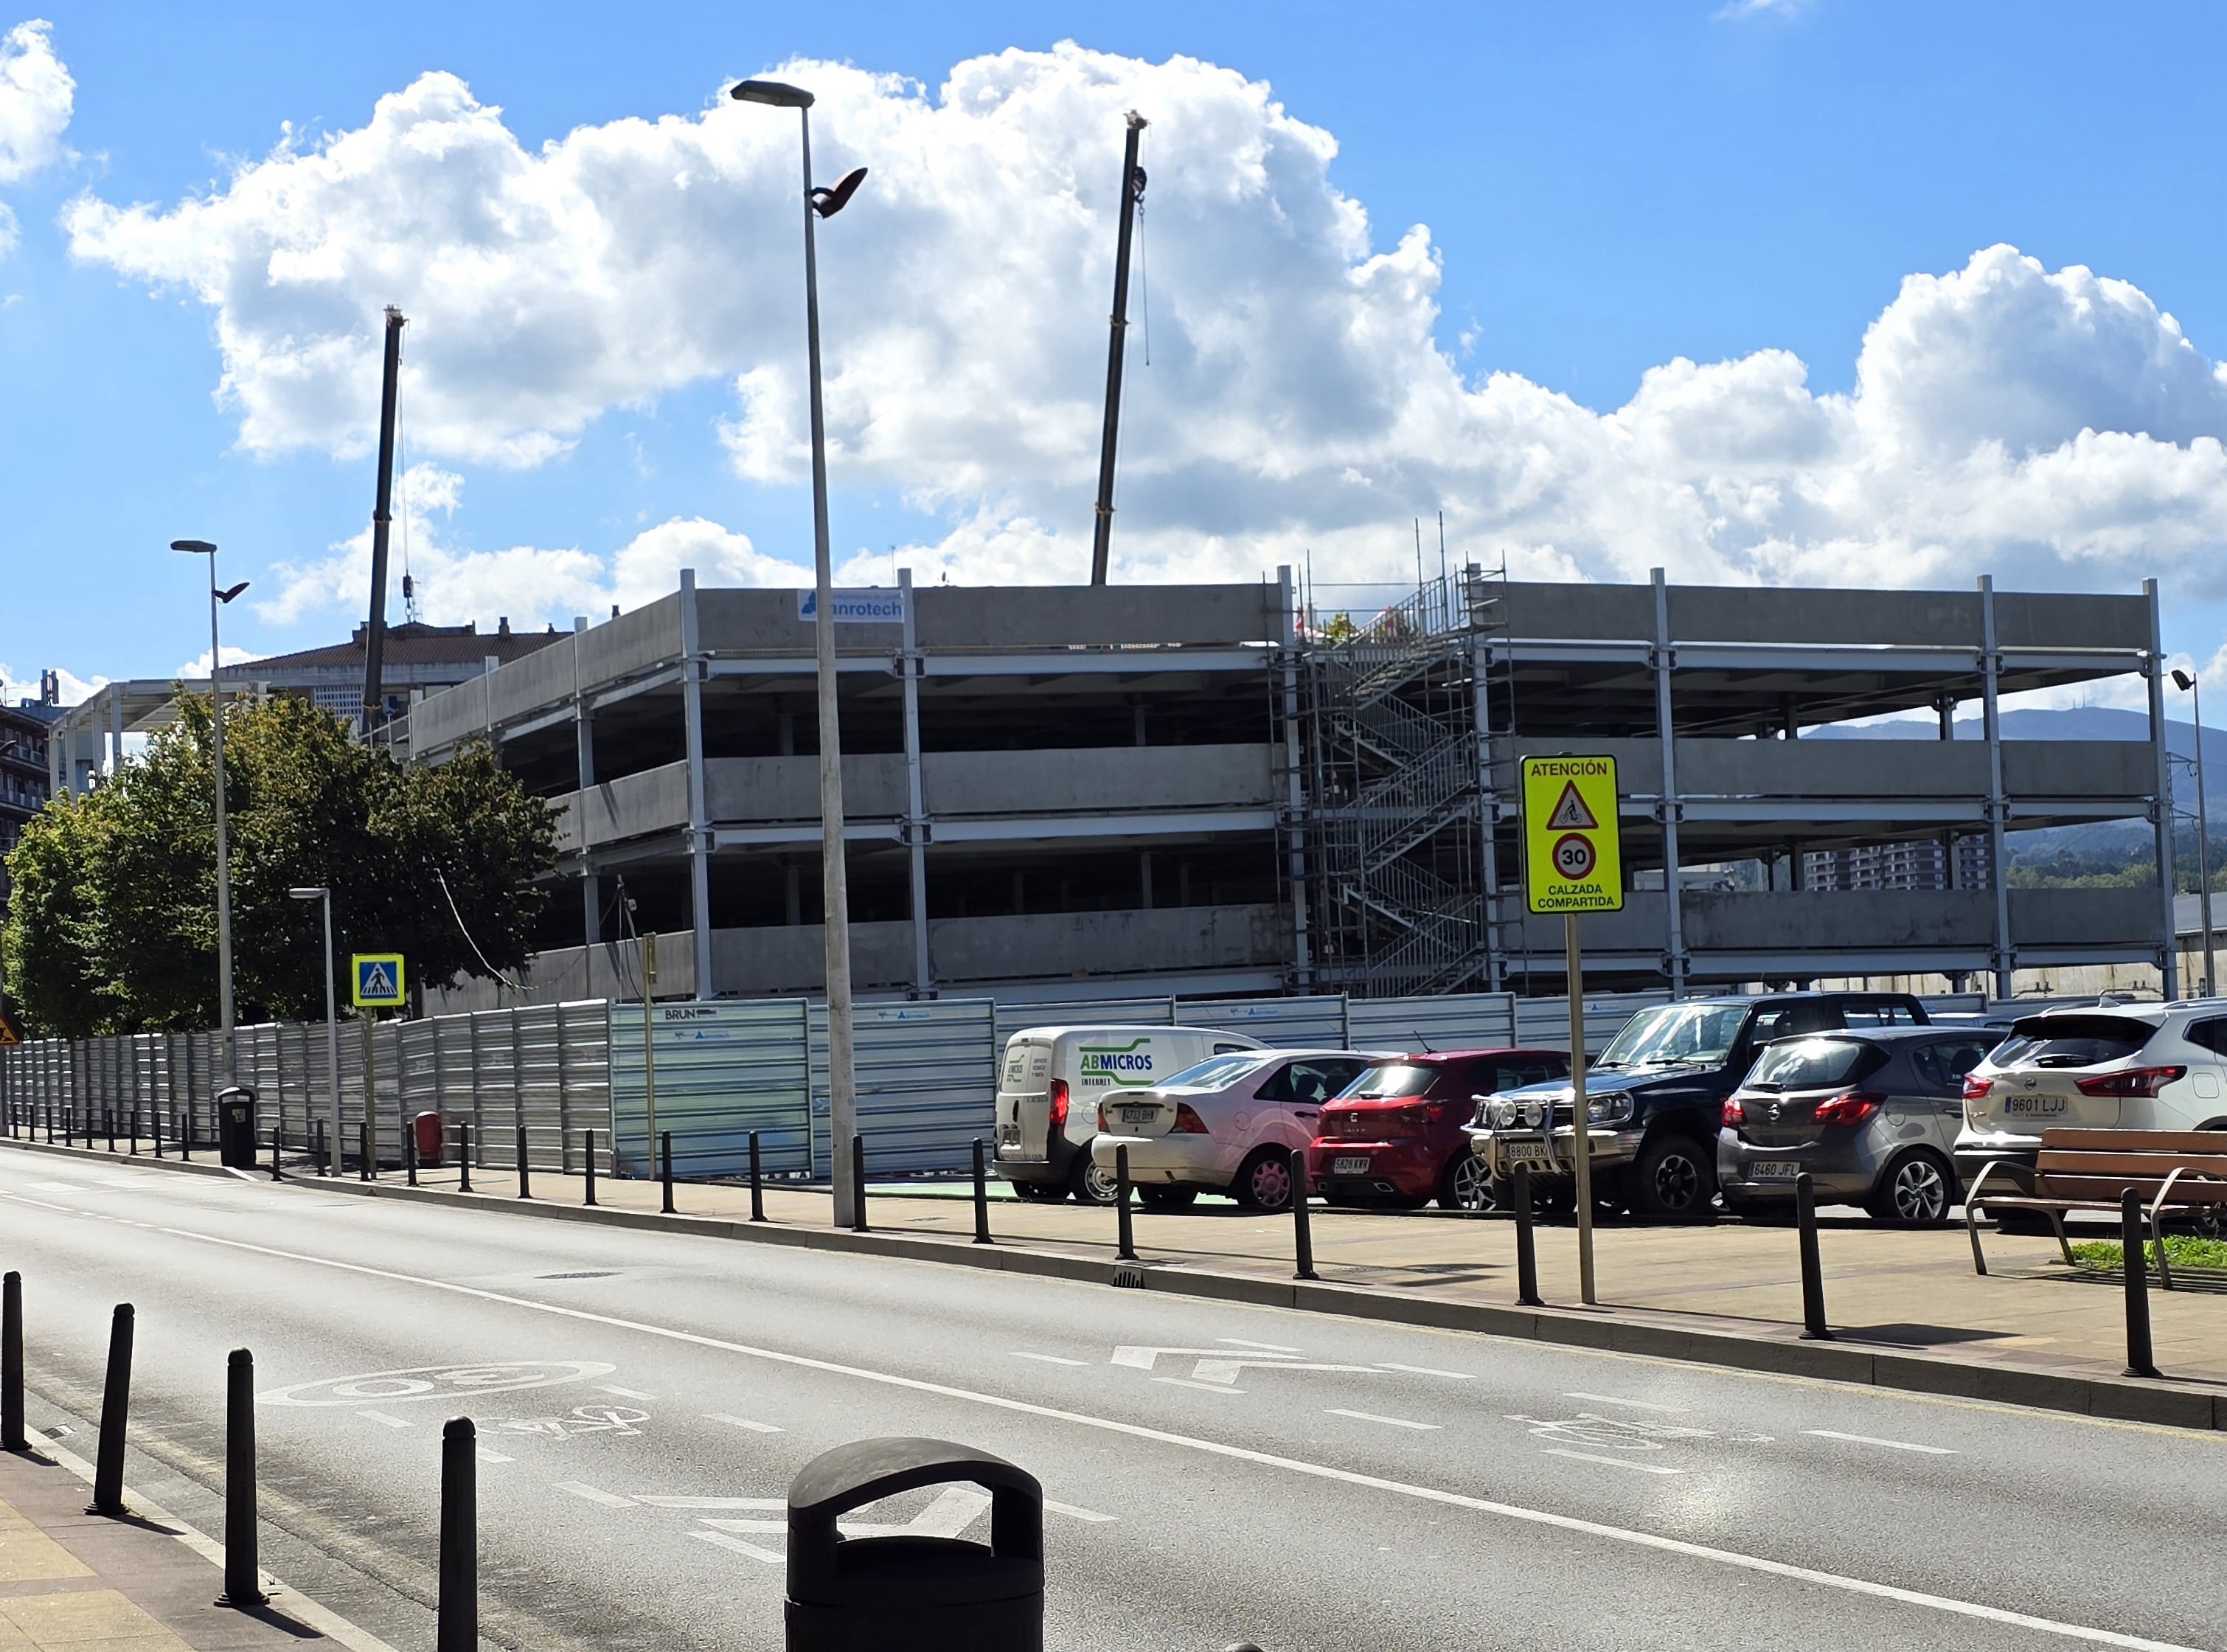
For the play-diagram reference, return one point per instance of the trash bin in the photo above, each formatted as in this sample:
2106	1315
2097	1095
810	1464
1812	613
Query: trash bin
924	1594
235	1127
428	1128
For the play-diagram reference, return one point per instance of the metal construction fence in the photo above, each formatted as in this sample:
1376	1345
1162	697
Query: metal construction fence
532	1082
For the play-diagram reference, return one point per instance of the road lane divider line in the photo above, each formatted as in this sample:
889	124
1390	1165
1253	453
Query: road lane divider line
1047	1359
742	1422
1371	1417
1073	1512
724	1540
387	1417
1637	1405
623	1393
1613	1462
1203	1387
609	1499
1514	1512
1428	1370
1873	1439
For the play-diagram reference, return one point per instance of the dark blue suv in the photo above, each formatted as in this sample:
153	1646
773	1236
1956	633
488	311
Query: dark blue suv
1655	1096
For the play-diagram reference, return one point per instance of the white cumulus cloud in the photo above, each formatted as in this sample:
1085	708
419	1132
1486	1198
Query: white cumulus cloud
36	94
2055	427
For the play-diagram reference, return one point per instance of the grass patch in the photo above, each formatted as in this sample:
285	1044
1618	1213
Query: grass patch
2182	1250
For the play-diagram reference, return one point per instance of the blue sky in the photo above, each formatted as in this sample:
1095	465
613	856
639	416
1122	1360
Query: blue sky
1607	189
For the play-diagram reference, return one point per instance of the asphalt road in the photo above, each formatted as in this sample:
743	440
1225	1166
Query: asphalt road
1217	1471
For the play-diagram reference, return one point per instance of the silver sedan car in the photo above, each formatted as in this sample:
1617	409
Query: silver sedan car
1871	1116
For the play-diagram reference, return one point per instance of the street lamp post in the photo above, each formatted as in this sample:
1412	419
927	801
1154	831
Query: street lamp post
332	1019
835	922
2187	683
218	598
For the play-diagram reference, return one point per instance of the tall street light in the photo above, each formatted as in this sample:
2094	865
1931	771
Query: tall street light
218	598
835	928
2187	686
332	1017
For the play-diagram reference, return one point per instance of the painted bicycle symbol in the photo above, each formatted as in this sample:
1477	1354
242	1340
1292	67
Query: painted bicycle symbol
581	1419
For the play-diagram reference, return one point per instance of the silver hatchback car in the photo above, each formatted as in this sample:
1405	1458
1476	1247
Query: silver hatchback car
1871	1116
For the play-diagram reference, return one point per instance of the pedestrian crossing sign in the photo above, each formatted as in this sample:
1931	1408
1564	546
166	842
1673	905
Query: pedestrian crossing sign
377	980
8	1033
1572	859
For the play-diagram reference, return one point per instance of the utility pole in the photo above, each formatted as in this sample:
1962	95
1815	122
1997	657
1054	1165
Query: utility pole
374	636
1133	191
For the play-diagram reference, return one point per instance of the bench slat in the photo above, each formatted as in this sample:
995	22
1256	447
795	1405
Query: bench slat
2106	1190
2055	1161
2136	1141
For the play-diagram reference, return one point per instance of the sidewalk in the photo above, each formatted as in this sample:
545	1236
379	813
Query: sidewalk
74	1581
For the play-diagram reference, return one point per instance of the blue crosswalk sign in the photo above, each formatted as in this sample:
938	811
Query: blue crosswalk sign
377	980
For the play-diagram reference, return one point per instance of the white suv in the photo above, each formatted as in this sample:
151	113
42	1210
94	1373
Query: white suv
2110	1067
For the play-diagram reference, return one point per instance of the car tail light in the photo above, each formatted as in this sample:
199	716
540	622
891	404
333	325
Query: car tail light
1105	1123
1850	1109
2139	1080
1058	1105
1735	1115
1976	1087
1187	1123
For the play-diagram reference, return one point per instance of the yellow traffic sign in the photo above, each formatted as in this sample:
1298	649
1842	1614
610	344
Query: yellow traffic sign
1573	856
377	980
8	1033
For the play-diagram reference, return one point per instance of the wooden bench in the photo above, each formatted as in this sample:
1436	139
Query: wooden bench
2174	1172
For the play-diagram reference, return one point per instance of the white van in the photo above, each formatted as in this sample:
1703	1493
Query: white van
1051	1083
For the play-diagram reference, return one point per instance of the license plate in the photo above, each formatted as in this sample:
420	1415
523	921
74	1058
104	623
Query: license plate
1527	1152
1355	1164
1774	1170
1139	1115
2034	1106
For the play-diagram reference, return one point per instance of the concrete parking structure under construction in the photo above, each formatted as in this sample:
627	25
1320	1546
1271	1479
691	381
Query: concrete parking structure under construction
1061	791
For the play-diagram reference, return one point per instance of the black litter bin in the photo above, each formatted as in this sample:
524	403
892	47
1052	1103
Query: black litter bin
921	1594
235	1127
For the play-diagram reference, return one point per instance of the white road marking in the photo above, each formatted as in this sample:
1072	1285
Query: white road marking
1220	1370
1047	1359
1266	1347
776	1504
742	1422
1637	1405
1140	1358
1371	1417
739	1547
1617	1463
1892	1444
623	1393
1073	1512
390	1420
486	1455
1426	1370
1573	1524
609	1499
1203	1387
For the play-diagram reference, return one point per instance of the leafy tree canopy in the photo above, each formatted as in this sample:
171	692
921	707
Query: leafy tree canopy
113	923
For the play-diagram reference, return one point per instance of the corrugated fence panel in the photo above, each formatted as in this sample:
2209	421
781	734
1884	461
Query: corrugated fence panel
541	1086
1469	1021
927	1077
722	1070
1544	1023
1089	1013
1288	1023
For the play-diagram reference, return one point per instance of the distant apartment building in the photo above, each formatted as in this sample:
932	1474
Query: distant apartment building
24	784
1916	863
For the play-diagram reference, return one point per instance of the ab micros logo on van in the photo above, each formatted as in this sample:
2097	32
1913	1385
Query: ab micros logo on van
1130	1063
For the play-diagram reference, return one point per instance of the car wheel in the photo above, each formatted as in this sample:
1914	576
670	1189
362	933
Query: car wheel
1673	1180
1468	1185
1264	1182
1091	1185
1165	1198
1916	1192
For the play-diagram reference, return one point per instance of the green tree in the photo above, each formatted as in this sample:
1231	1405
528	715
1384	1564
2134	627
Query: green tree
119	930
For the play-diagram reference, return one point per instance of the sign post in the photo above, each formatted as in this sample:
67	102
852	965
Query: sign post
649	1046
1573	862
378	985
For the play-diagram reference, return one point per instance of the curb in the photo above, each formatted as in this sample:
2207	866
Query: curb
2125	1400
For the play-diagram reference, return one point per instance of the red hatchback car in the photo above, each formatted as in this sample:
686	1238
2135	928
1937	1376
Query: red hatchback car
1395	1134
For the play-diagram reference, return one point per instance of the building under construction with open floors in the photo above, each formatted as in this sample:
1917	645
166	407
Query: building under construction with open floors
1077	792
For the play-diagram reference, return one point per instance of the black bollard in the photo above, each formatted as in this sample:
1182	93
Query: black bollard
11	1363
1302	1237
410	1153
135	1133
1123	1232
589	1161
115	1406
1814	1328
758	1181
857	1184
458	1626
275	1176
324	1150
364	1169
1527	1244
186	1140
154	1120
525	1159
2135	1255
464	1158
107	1127
981	1196
665	1166
243	1575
